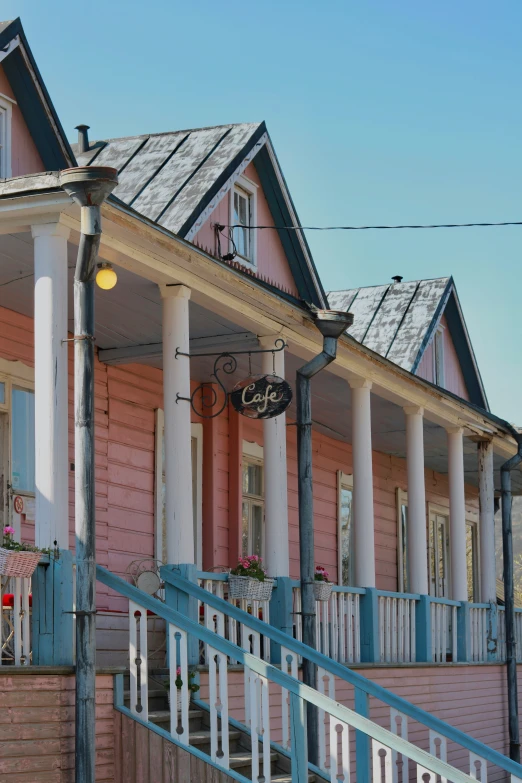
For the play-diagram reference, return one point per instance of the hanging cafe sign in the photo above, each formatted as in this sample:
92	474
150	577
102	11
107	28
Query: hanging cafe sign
257	397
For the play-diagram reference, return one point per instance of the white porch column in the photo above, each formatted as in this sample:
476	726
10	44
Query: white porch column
486	480
178	462
275	468
50	382
363	484
459	584
417	543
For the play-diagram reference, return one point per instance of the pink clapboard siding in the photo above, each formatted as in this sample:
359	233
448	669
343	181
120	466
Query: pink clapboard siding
271	259
455	694
37	727
125	401
25	158
453	376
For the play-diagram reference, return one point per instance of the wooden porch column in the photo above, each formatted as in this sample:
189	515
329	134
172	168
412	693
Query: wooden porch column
50	381
459	584
178	462
417	543
486	480
363	483
276	491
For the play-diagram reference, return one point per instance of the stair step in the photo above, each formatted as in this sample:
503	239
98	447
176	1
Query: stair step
162	716
203	737
287	778
245	759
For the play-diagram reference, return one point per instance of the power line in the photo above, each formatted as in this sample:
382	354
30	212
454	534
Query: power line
371	228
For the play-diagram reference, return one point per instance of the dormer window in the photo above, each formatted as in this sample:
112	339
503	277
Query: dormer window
438	357
243	217
5	137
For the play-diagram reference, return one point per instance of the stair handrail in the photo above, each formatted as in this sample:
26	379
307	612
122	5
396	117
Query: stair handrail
338	670
293	686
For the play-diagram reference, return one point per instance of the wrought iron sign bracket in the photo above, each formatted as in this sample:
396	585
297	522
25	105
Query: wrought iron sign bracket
225	362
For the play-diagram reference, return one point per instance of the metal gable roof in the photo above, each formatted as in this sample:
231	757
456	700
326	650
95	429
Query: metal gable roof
398	320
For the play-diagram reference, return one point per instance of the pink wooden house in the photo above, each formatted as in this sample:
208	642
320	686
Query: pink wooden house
406	460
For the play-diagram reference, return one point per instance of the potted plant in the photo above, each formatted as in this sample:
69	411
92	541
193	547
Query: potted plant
17	559
322	585
193	686
249	580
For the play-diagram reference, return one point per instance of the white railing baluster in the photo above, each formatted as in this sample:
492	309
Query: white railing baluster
381	762
26	623
255	727
424	775
178	657
357	626
325	685
17	620
138	663
439	748
399	726
339	756
218	703
289	665
478	767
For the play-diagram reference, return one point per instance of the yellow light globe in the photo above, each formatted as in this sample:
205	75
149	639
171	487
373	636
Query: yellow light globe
106	277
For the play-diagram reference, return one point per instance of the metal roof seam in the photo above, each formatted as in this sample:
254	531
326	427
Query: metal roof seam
160	168
402	319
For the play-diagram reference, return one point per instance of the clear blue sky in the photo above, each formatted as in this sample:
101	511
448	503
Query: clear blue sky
381	112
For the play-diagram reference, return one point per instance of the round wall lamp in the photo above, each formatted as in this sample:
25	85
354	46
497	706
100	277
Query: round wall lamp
106	277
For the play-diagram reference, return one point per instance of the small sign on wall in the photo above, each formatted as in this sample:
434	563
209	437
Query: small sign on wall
261	396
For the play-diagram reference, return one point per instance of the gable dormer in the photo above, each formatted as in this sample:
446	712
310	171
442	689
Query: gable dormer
418	325
31	137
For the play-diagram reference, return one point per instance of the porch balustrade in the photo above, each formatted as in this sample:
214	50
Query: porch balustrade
397	627
15	627
443	618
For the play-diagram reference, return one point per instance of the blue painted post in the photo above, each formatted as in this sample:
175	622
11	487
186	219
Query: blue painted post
492	632
463	632
281	613
184	604
118	690
424	652
52	617
369	615
362	741
298	742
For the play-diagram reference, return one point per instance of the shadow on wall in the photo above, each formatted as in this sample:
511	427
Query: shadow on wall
517	551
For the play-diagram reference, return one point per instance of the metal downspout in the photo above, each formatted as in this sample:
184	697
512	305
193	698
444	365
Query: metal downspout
331	325
88	187
509	598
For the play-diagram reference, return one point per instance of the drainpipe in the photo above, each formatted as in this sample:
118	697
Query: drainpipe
88	187
331	324
509	598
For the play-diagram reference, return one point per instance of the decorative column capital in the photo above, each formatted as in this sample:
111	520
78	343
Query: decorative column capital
413	410
360	383
267	342
455	430
54	229
175	291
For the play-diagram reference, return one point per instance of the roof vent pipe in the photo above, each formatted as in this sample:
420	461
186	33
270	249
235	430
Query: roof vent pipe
397	278
83	137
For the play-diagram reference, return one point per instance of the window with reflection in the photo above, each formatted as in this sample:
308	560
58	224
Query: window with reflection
253	510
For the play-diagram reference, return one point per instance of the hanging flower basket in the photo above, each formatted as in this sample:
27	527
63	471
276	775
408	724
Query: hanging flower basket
17	559
322	590
249	587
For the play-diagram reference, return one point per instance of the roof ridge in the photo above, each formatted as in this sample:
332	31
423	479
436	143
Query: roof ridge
380	285
172	132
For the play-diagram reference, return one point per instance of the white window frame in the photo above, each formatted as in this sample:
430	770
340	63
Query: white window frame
196	431
473	523
438	357
243	185
253	453
402	546
444	511
6	119
344	481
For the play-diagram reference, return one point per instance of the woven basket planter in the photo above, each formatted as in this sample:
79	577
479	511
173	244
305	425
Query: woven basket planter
18	563
179	701
322	590
250	588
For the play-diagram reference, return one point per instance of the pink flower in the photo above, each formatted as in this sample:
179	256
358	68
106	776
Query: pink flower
8	530
178	671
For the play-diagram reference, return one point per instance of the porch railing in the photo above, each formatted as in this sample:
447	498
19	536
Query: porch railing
479	624
275	700
443	616
397	627
338	623
15	626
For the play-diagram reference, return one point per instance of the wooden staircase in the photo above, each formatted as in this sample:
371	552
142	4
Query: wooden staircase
240	753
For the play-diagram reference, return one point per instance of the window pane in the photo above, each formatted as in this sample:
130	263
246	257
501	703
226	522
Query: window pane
346	535
404	536
257	530
2	393
252	479
433	572
244	530
470	561
23	440
194	455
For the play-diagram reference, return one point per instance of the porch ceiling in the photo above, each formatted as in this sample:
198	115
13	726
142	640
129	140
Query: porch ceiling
130	315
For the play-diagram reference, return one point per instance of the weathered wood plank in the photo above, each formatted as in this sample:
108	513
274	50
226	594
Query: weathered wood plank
142	753
155	758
